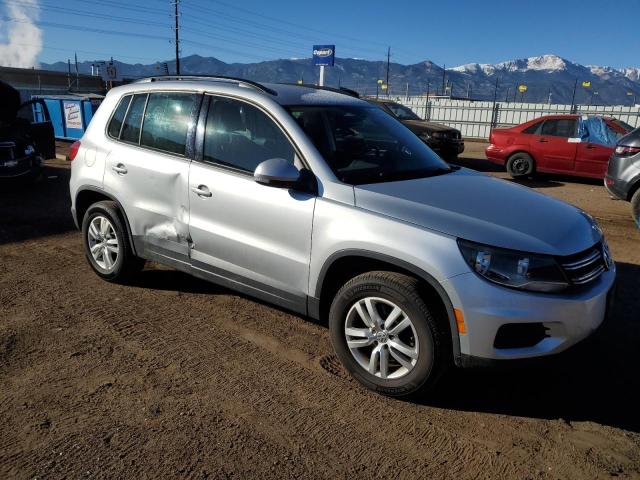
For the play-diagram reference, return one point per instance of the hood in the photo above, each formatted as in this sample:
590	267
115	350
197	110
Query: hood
9	102
424	126
483	209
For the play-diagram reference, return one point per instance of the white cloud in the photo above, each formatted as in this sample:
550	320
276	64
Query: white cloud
23	42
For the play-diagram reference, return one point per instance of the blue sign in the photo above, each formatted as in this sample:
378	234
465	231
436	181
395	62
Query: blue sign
324	55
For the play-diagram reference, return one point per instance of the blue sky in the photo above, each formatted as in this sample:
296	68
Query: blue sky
451	32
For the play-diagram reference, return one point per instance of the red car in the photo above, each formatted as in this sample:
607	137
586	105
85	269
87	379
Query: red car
550	144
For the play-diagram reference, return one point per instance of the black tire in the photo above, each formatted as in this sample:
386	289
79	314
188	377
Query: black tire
521	165
126	264
635	207
434	355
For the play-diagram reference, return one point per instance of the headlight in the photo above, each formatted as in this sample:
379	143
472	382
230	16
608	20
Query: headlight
29	150
525	271
437	135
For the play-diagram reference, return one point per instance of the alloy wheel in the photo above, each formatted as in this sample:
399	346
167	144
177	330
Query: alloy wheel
381	337
103	242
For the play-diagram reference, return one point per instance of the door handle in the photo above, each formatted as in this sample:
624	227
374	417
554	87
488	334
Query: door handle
590	146
120	169
201	191
542	140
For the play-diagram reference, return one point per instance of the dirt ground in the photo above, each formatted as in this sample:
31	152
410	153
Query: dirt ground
173	377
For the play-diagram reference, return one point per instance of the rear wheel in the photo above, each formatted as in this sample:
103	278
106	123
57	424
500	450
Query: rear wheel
386	336
635	207
520	165
106	243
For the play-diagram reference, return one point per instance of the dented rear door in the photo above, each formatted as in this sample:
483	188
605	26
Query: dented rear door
148	171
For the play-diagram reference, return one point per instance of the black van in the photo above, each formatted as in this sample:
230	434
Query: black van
24	144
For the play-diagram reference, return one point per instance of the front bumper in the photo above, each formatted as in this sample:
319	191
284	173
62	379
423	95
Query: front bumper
446	147
568	318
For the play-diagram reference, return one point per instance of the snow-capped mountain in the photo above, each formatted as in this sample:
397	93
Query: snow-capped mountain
551	75
545	76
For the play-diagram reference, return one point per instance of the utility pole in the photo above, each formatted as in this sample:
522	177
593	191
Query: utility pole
388	62
444	73
573	97
506	97
177	31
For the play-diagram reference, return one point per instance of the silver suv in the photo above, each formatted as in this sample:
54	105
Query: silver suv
323	204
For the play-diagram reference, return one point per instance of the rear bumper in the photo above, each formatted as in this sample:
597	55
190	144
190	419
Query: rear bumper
20	167
567	318
623	173
616	188
495	154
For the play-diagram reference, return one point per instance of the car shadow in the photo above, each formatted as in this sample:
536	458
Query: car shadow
158	277
595	381
34	209
480	165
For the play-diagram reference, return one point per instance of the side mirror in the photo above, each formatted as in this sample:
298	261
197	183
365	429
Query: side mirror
277	172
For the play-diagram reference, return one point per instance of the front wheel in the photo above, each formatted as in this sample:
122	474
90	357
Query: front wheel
386	336
106	243
520	165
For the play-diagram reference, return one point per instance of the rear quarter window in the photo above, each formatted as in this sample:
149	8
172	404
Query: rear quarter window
131	127
115	125
533	129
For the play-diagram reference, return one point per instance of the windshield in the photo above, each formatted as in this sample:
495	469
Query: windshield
366	145
402	112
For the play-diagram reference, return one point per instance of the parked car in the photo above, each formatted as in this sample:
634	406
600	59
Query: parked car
445	141
325	205
551	144
24	144
623	173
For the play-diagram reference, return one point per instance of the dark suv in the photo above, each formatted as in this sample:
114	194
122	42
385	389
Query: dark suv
623	173
24	144
445	141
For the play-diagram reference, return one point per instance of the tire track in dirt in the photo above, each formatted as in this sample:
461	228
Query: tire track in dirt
234	344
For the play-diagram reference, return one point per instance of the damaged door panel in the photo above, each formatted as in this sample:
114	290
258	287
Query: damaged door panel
153	191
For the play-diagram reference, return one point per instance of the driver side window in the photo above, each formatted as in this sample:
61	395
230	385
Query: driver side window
241	136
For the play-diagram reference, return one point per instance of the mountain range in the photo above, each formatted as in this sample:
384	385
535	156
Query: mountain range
546	77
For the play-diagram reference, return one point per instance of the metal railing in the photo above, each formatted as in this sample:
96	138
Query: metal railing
475	119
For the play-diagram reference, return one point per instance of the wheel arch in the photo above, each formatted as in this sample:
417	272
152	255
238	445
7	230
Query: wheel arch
635	185
346	264
87	196
520	150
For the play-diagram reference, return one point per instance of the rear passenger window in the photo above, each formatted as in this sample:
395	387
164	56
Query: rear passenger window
166	121
118	117
131	127
242	136
559	128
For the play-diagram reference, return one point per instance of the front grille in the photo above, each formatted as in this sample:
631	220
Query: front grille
6	150
584	267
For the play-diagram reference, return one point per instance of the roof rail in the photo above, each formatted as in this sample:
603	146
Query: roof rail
220	78
343	90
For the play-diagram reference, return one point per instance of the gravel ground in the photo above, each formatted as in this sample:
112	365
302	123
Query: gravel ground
172	377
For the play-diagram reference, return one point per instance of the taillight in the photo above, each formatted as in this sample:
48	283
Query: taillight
623	151
73	150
